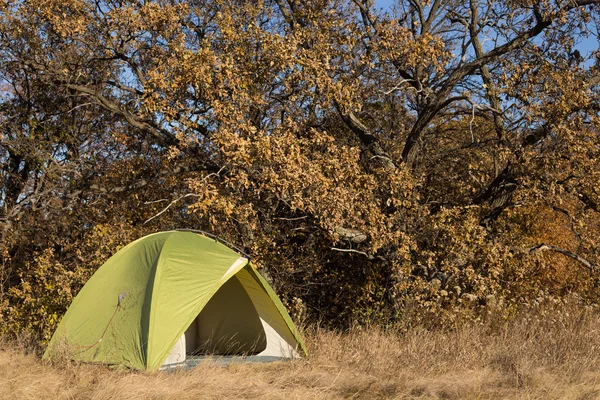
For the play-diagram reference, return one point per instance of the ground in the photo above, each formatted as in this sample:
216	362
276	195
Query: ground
538	356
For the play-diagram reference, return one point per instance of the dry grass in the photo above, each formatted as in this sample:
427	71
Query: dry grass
553	357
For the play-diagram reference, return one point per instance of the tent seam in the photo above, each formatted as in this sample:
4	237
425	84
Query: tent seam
155	286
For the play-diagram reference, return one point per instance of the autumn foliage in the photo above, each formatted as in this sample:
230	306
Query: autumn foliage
427	164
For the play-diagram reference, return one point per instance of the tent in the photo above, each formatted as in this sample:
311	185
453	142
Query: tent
170	296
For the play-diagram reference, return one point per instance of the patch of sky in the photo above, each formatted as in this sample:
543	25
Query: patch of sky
587	45
384	3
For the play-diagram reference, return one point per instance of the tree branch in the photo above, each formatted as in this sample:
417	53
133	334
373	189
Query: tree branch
446	86
362	253
169	206
164	137
491	92
576	257
365	136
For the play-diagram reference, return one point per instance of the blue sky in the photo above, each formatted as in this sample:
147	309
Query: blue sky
383	3
586	46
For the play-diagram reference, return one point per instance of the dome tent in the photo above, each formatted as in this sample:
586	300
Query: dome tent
170	295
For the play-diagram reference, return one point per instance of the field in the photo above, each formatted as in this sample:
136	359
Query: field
551	356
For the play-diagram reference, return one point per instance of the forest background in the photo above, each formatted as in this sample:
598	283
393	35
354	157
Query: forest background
422	164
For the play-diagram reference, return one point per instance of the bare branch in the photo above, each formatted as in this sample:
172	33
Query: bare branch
156	201
370	257
290	219
576	257
365	135
164	137
403	81
169	206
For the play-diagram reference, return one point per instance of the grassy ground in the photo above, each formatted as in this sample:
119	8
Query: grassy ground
551	357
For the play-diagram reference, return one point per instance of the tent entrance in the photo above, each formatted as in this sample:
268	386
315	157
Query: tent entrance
239	320
228	325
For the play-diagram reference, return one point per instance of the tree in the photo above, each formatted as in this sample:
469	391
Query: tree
372	162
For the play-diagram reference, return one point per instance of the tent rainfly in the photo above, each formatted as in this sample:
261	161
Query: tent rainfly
172	295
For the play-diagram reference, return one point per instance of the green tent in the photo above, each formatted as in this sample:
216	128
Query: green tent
170	296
